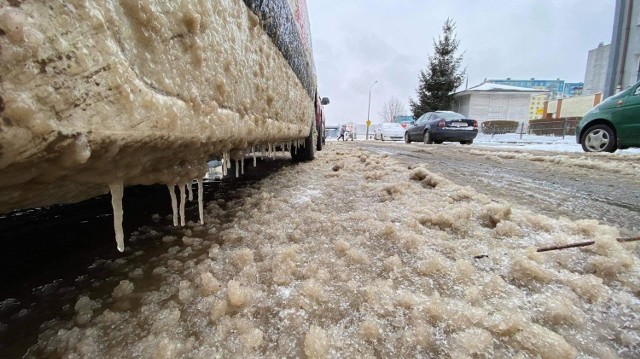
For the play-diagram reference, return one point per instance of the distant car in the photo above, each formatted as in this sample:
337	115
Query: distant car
613	124
440	126
389	132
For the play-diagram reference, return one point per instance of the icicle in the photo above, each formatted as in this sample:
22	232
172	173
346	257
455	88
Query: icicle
253	149
225	163
242	166
174	203
190	187
237	168
117	190
262	150
200	200
183	198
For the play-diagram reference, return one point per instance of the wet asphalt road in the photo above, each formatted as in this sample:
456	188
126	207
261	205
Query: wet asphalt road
550	189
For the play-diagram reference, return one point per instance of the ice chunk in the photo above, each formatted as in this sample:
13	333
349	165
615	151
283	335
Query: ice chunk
218	310
209	284
472	341
542	342
238	295
316	343
124	288
370	330
84	310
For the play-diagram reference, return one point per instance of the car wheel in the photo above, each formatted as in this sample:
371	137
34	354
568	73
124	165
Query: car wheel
381	137
407	139
427	138
308	152
319	142
599	138
438	142
466	142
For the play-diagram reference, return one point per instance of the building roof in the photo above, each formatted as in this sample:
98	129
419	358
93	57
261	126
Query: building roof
491	87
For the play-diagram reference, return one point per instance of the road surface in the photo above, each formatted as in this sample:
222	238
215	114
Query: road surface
554	183
368	251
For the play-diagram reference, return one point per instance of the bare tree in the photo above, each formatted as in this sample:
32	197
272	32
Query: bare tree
391	109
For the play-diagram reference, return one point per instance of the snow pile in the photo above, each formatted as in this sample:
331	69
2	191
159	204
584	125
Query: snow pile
376	260
537	142
628	165
98	94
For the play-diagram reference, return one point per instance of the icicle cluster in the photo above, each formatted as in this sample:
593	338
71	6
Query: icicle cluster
178	207
185	188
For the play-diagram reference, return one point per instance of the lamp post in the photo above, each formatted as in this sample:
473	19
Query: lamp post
369	109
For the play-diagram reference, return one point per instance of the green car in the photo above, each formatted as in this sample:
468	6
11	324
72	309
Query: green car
613	124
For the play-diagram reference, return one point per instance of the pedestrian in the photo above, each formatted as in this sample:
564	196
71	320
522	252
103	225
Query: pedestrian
342	129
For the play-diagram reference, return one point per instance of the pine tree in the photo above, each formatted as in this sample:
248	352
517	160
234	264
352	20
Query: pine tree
442	75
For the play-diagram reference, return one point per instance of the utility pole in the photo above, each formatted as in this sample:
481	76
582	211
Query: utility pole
369	110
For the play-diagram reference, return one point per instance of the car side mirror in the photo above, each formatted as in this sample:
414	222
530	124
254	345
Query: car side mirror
325	101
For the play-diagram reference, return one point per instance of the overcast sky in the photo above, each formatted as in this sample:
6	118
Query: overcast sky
356	42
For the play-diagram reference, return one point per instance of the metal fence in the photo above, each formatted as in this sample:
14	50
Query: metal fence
555	127
561	127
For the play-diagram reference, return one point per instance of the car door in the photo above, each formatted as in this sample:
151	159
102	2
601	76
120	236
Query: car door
411	128
629	125
417	131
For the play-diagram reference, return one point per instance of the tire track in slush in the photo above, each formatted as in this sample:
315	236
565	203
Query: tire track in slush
552	191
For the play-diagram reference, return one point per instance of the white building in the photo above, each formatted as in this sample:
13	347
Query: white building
596	73
490	101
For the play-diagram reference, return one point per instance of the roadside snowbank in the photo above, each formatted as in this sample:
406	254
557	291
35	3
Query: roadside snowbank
355	255
535	142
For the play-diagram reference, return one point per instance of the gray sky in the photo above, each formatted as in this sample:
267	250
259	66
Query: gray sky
356	42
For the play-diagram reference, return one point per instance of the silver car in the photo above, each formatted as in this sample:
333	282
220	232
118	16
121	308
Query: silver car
389	132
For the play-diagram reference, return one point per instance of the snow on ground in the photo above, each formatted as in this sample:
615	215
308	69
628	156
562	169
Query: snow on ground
355	255
535	142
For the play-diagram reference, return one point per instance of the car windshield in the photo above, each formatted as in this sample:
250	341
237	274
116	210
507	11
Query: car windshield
450	116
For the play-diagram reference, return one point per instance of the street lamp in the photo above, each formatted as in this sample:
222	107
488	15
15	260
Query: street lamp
369	109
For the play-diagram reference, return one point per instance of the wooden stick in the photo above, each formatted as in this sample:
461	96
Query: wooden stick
565	246
572	245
